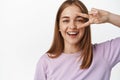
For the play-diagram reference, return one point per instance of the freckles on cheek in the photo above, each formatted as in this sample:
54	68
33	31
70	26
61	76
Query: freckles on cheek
62	27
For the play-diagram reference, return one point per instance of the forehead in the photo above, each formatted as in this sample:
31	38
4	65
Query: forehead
71	11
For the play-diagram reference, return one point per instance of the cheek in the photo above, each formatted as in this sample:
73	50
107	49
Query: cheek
62	31
62	27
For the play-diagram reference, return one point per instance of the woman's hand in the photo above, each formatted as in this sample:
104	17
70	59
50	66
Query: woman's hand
97	16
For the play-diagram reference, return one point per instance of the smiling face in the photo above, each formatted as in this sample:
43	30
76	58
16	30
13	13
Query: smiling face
70	22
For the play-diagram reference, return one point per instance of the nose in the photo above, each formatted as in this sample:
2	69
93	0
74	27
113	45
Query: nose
72	25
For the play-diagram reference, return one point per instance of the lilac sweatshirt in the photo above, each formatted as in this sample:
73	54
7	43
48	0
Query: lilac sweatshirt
66	67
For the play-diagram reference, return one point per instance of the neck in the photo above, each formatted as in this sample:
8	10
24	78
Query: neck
71	49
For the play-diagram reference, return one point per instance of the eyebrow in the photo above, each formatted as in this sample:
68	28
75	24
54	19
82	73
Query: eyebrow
65	17
79	17
75	17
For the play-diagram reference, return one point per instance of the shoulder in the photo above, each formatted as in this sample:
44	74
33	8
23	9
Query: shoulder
109	43
108	50
43	59
108	47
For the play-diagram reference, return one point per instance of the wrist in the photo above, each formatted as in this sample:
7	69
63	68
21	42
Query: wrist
109	15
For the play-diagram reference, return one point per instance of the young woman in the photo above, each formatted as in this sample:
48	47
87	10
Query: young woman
72	56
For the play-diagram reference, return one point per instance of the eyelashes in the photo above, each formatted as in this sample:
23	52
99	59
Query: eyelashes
77	20
65	21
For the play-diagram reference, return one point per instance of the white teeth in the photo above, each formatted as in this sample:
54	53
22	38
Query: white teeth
72	32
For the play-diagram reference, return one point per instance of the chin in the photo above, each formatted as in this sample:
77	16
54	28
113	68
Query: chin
74	42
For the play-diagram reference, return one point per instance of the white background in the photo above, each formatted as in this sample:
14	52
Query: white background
26	31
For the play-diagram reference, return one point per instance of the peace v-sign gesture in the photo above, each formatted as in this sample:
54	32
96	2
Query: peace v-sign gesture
97	16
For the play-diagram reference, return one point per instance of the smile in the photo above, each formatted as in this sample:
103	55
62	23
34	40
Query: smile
72	33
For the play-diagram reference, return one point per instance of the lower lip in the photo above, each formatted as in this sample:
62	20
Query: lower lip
72	35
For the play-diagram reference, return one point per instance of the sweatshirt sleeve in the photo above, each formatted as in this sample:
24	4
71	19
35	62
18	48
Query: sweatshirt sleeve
40	73
110	51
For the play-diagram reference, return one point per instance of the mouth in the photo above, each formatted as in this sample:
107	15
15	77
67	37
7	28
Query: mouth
73	33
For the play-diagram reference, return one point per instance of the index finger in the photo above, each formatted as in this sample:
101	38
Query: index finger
84	15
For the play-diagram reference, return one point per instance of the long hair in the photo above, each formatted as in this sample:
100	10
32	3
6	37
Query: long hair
58	42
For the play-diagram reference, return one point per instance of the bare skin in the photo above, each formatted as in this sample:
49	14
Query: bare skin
72	24
97	16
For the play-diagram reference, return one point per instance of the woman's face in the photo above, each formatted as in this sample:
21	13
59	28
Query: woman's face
70	23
